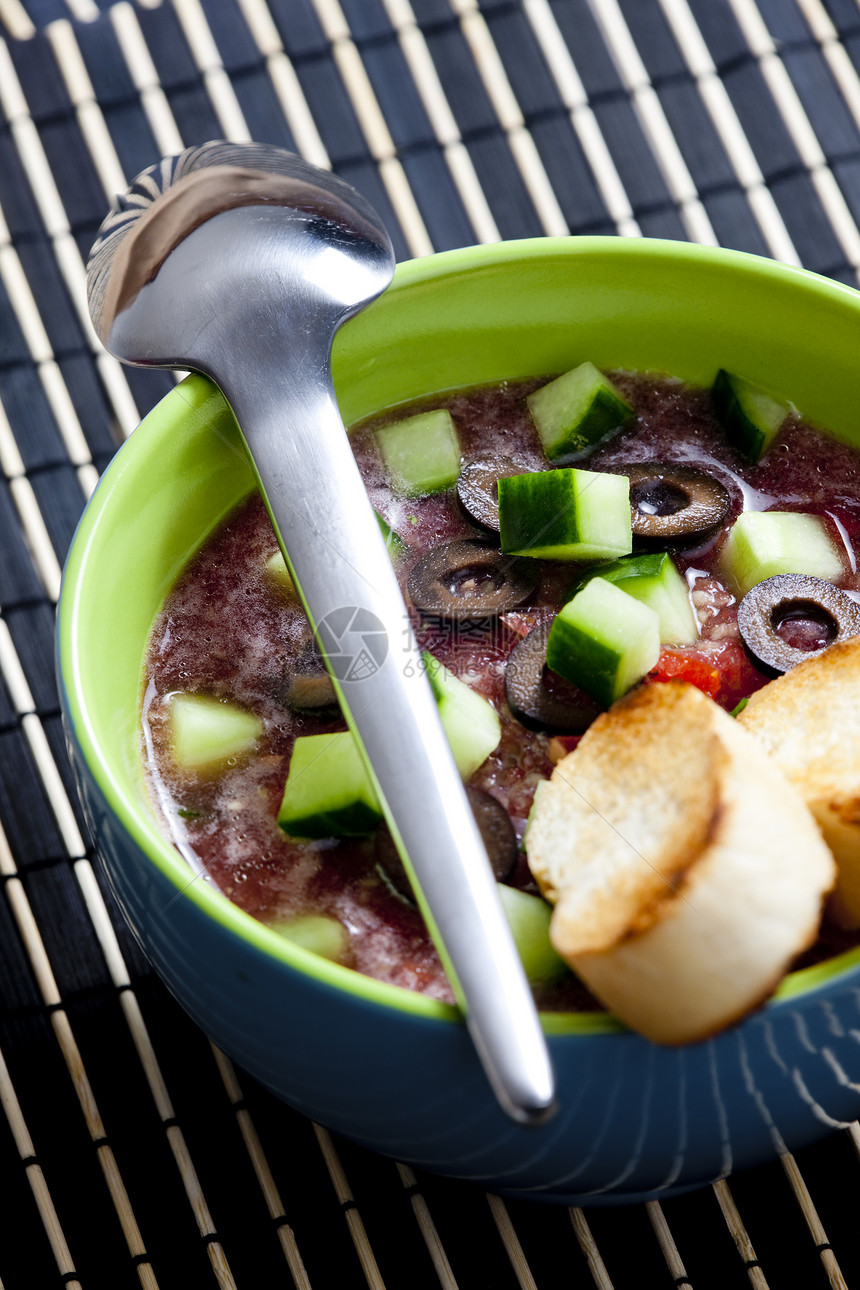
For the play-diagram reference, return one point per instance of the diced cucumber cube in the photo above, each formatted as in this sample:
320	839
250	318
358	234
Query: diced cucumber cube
604	641
207	731
762	544
316	932
396	545
421	453
329	792
565	514
653	579
281	579
749	415
471	724
577	411
279	576
529	917
539	788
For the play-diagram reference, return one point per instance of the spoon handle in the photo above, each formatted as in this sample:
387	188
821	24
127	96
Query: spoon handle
335	549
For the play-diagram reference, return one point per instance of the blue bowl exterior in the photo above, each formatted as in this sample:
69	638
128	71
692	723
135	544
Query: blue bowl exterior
637	1121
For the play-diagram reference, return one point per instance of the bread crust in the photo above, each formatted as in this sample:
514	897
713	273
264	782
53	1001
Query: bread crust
809	722
685	871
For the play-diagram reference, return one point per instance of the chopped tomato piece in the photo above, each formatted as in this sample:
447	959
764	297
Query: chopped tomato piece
680	665
740	676
725	674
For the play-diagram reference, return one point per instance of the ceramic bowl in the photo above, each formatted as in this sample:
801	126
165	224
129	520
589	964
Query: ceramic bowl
389	1069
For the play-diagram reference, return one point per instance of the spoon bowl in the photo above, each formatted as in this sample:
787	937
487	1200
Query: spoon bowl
318	253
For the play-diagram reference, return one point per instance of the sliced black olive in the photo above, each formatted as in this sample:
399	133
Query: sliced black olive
478	488
495	829
539	698
468	579
671	502
309	686
794	616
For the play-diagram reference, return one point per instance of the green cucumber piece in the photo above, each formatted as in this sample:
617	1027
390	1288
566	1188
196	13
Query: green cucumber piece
318	933
762	544
281	579
329	792
577	411
604	641
539	788
749	415
565	514
653	579
421	454
279	576
471	724
529	918
396	545
206	731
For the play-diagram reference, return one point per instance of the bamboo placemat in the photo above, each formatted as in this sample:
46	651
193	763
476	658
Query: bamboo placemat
132	1153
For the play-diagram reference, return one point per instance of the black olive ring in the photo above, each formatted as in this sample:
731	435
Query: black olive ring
528	697
768	604
469	579
478	488
670	501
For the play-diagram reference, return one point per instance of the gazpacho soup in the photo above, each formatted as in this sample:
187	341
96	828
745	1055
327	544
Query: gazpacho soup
578	555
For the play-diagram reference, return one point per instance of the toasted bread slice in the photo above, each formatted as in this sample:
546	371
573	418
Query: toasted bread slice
809	721
685	871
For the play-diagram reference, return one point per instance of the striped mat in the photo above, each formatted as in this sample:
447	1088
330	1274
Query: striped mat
132	1153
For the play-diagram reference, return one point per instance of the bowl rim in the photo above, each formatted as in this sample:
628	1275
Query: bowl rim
144	830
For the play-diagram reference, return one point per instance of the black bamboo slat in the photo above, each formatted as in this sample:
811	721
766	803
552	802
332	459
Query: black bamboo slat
131	1153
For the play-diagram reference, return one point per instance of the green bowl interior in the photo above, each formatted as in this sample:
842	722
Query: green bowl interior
458	319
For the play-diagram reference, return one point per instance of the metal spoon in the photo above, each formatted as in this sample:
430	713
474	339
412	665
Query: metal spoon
241	261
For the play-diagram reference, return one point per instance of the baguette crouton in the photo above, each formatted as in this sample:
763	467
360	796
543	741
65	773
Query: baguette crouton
809	721
685	871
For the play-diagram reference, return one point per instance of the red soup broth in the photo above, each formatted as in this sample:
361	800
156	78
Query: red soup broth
225	630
